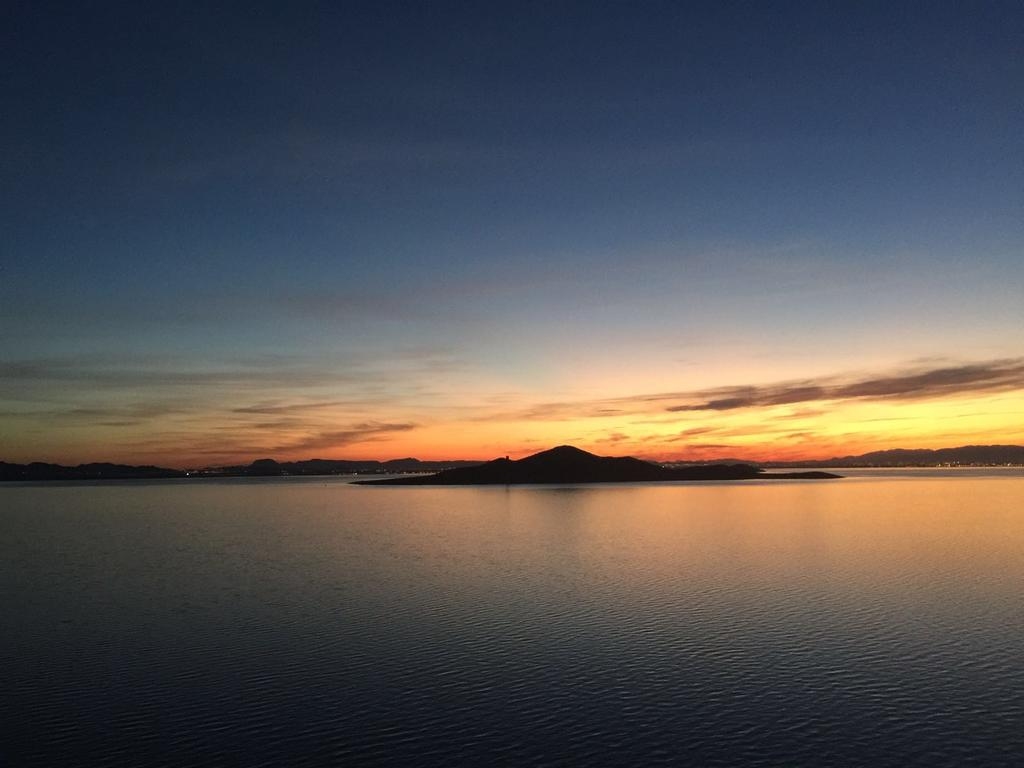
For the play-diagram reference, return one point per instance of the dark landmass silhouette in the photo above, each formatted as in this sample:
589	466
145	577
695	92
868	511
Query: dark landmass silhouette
566	464
624	469
270	468
965	455
38	470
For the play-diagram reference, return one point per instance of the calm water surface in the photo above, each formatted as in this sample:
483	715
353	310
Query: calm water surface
875	620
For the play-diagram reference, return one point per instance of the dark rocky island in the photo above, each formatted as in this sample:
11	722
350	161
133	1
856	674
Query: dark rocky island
566	464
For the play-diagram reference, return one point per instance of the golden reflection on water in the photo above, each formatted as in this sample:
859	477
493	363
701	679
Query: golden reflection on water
930	540
923	543
872	620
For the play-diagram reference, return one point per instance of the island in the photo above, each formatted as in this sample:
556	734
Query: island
568	465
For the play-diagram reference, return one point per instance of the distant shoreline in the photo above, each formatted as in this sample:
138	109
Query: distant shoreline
965	457
360	478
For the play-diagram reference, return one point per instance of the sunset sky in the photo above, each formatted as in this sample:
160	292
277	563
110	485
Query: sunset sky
373	230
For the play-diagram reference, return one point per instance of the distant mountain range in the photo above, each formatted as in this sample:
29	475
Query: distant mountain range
38	470
269	467
566	464
967	455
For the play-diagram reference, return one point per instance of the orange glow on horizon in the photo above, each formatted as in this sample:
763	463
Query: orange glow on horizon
791	420
796	432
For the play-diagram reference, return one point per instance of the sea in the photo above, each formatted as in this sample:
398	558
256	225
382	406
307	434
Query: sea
875	620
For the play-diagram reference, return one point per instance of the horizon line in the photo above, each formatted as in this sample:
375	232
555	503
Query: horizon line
717	459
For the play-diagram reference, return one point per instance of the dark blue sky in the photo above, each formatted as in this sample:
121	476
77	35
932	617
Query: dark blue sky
218	183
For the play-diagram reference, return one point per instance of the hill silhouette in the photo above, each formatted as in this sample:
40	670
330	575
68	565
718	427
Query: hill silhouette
566	464
273	468
38	470
966	455
563	464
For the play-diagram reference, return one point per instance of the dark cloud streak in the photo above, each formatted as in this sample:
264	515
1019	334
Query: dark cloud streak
992	376
356	433
1004	375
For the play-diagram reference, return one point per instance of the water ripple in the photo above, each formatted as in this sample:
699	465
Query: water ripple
311	625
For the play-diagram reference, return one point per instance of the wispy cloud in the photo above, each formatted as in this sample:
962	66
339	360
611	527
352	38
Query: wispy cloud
278	378
991	376
274	408
916	383
338	438
696	431
134	372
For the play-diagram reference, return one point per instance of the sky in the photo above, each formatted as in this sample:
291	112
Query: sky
375	230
